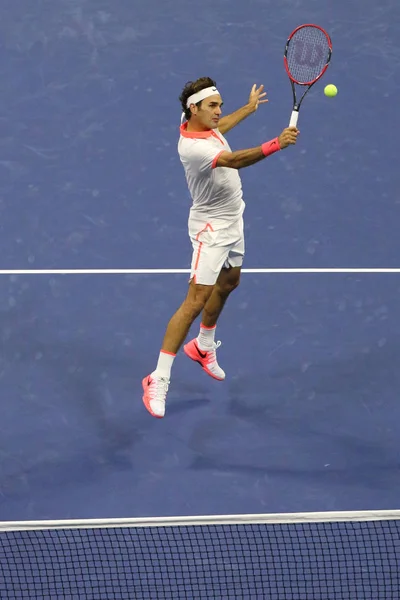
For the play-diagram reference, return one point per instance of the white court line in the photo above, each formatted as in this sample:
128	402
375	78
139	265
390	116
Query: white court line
178	271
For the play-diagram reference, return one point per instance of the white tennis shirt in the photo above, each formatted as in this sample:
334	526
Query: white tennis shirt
216	191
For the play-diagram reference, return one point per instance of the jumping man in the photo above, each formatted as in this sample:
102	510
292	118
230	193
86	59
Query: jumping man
215	227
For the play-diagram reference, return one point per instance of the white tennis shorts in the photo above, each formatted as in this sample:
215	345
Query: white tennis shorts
213	250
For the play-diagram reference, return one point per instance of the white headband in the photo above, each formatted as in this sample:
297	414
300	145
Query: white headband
199	96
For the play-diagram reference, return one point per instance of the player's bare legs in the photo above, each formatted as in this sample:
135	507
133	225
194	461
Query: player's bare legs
203	348
209	299
178	327
155	386
227	281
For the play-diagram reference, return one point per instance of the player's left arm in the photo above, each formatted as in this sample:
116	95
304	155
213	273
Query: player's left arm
257	96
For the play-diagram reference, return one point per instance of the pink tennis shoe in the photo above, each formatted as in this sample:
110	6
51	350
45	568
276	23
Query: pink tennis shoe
154	395
206	358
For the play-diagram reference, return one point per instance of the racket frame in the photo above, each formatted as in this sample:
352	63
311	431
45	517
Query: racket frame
297	103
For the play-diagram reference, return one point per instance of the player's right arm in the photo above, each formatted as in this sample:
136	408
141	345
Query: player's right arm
244	158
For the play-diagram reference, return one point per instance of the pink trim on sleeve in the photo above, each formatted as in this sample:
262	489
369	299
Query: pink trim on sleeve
214	162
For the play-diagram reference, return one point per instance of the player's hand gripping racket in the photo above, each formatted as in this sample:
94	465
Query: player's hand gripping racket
307	55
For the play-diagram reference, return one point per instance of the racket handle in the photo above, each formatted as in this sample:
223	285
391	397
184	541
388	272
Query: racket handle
293	118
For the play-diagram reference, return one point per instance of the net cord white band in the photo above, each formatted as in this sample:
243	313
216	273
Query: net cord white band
241	519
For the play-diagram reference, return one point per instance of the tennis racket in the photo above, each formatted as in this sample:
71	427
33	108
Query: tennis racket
307	56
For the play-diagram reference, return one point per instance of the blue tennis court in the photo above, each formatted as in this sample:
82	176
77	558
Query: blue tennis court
90	179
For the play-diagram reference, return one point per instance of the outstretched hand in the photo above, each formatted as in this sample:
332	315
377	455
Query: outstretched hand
257	96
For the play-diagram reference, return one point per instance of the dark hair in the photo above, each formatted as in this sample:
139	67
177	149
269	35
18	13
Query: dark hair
192	87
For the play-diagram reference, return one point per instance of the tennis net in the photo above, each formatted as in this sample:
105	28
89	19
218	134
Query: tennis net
303	556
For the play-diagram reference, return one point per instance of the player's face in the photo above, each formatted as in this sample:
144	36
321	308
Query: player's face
210	112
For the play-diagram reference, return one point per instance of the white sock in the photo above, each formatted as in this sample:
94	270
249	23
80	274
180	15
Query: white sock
206	336
164	364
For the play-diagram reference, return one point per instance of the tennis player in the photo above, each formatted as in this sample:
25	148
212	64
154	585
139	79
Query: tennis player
215	227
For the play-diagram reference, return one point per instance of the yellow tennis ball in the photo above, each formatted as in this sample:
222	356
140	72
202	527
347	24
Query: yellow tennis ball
330	90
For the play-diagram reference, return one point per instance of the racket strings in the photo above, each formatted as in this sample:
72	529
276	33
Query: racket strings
307	54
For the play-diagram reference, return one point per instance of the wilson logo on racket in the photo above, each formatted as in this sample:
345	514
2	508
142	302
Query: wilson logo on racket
307	56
